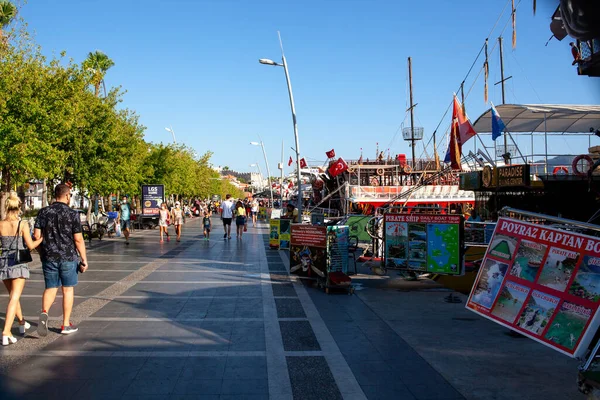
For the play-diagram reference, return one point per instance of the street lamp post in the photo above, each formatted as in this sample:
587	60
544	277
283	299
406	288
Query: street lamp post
172	132
261	144
259	173
283	64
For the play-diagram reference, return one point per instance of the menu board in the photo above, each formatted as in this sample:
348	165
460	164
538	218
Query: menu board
285	226
542	282
308	250
338	237
426	243
274	233
152	198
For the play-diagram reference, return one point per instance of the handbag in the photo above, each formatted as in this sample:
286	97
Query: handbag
21	256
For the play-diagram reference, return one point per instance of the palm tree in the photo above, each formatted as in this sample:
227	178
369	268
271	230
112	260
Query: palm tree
8	12
97	63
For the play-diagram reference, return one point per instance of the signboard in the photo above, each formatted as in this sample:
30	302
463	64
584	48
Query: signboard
338	237
357	225
262	213
513	175
274	233
317	218
470	180
152	197
426	243
308	250
542	282
276	213
285	227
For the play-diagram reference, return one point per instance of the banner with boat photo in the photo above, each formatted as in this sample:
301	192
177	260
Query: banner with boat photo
542	282
424	243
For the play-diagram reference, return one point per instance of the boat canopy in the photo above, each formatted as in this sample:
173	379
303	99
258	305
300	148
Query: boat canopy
544	118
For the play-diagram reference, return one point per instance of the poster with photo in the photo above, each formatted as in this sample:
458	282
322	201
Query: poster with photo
543	282
586	284
308	250
558	268
491	276
567	327
539	310
510	302
424	243
528	260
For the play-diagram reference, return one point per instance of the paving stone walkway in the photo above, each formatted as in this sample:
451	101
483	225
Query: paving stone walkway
212	320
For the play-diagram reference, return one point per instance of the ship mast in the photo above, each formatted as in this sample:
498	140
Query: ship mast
412	113
502	80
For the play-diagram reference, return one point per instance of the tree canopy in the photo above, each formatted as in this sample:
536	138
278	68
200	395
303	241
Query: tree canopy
55	127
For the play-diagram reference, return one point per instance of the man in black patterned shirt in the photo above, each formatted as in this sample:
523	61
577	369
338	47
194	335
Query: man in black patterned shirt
61	228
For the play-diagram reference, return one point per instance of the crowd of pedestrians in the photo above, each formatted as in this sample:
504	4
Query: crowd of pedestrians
58	236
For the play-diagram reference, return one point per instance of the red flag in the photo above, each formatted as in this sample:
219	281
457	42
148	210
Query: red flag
302	163
454	147
338	167
330	153
465	128
290	161
460	131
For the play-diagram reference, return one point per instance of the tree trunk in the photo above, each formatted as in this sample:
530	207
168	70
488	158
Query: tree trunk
44	194
5	192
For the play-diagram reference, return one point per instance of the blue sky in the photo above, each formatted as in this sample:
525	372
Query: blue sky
193	65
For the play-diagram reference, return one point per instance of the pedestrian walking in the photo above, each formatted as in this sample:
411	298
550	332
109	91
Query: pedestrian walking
254	210
14	269
60	227
206	222
240	218
125	218
163	222
177	218
227	215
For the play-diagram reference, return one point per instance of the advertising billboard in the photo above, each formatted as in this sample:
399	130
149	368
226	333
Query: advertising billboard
542	282
424	243
152	197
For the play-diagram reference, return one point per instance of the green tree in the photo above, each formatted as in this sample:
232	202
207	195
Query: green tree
8	12
96	64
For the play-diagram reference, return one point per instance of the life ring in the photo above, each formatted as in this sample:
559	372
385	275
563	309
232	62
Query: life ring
575	163
350	169
407	169
374	181
560	171
380	171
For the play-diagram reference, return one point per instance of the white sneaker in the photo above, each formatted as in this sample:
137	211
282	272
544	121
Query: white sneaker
67	330
43	324
23	328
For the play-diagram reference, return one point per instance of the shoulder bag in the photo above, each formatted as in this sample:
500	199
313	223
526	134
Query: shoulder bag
21	256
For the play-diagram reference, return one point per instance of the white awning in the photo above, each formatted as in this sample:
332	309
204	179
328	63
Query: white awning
548	118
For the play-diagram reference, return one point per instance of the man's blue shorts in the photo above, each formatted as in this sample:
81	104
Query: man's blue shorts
125	224
60	273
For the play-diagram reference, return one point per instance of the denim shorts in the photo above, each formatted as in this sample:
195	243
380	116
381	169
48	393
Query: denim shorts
60	273
125	224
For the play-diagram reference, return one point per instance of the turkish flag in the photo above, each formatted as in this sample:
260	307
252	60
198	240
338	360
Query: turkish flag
338	167
330	153
302	163
290	161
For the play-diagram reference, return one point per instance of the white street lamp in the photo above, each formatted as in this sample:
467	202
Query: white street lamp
172	132
283	64
259	175
261	144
